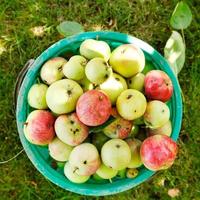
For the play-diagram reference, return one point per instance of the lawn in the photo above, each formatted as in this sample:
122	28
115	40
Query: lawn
28	27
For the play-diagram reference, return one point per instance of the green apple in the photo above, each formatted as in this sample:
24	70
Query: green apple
127	60
52	70
85	159
106	172
91	48
139	121
71	174
166	129
156	114
62	96
114	86
131	173
136	82
134	145
96	177
121	173
116	154
131	104
86	84
97	70
74	68
59	150
37	96
98	139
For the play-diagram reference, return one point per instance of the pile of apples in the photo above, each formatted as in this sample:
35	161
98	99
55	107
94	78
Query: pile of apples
101	115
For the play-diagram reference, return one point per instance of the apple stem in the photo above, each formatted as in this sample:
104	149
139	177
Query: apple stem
110	180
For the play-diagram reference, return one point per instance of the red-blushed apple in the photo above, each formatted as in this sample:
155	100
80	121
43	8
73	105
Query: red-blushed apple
158	152
59	151
71	174
116	154
166	129
134	145
119	128
85	159
39	127
127	60
52	70
158	86
156	115
70	129
93	108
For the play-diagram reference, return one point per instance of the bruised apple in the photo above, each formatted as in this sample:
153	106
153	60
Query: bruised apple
39	127
93	108
70	129
158	86
158	152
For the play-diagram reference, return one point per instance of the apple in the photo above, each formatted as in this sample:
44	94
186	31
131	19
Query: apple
136	82
98	139
97	70
127	60
148	67
157	114
86	84
59	150
134	145
85	159
37	96
119	128
121	173
71	174
91	48
74	68
70	129
52	70
116	154
131	104
166	129
131	173
158	86
114	86
106	172
39	127
62	96
93	108
158	152
96	177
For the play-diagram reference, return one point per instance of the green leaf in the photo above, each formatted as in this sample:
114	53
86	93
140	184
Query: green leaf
97	129
69	28
174	52
181	17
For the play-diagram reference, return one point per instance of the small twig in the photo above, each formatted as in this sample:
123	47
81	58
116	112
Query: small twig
6	161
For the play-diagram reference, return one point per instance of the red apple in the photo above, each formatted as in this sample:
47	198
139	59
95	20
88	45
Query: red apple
39	127
158	152
158	86
93	108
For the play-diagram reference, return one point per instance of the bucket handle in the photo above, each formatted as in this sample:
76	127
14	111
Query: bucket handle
19	81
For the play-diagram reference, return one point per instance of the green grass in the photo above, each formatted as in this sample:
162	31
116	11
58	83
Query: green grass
147	20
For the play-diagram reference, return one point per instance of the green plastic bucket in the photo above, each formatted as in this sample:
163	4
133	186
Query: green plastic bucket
39	156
